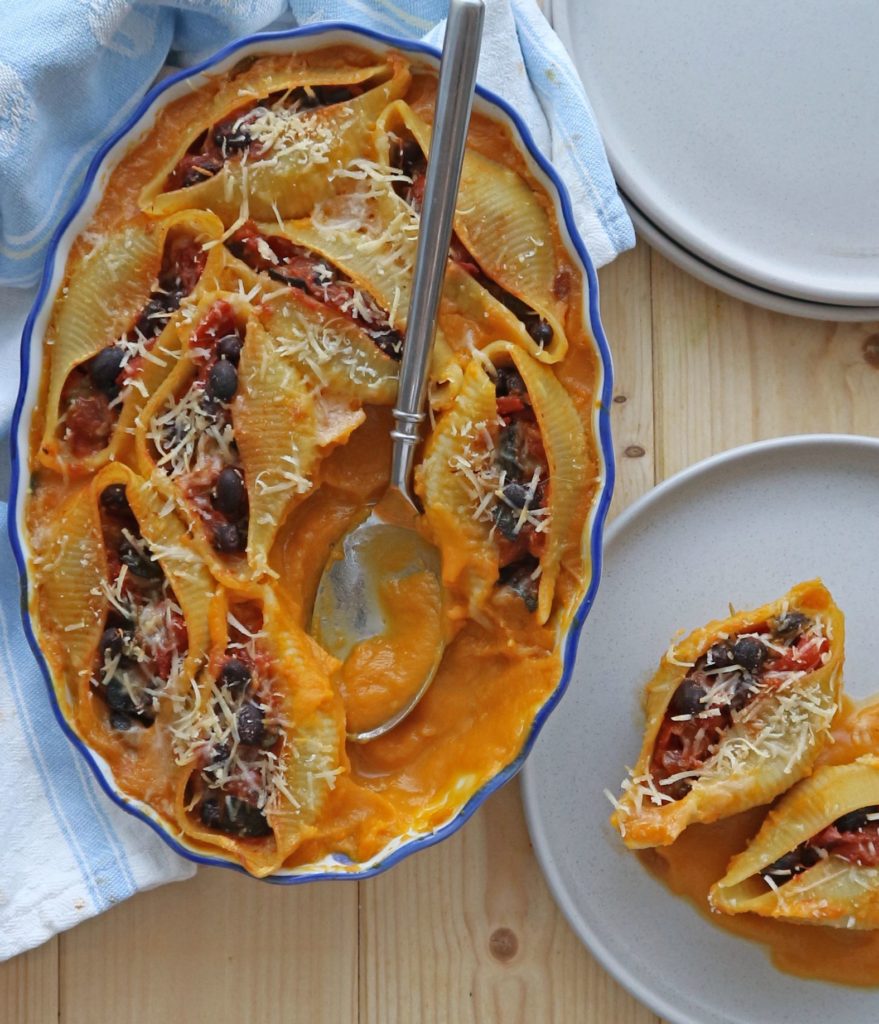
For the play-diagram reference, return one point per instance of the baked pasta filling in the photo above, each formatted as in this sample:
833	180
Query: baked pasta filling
194	437
93	393
144	643
519	503
239	745
721	687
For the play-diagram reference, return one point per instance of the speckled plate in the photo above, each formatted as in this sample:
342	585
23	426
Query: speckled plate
743	527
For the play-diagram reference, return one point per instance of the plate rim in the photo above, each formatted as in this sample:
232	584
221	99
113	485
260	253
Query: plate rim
738	288
614	965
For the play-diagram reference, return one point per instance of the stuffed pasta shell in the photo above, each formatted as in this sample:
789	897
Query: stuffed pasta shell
271	143
130	594
736	713
111	331
815	859
234	437
260	736
502	481
505	255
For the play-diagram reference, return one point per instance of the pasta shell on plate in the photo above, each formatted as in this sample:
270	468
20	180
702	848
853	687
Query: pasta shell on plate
110	330
736	713
815	858
502	238
234	436
261	738
503	481
273	146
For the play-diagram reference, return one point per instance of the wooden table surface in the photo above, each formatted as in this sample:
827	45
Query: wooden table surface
464	932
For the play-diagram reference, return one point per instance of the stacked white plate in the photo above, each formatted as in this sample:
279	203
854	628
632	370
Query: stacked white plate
744	139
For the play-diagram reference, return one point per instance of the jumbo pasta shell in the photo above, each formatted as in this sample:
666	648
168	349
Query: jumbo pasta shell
294	779
458	475
765	750
502	224
301	152
102	300
833	891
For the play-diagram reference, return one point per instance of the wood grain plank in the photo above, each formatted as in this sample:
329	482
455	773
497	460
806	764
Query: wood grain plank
29	986
218	948
626	310
467	932
728	373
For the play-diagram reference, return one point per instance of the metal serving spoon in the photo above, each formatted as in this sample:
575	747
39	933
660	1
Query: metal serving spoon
387	546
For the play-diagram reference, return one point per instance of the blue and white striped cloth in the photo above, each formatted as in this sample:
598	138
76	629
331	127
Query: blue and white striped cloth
71	72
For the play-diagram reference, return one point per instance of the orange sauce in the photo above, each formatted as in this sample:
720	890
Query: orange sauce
691	865
381	675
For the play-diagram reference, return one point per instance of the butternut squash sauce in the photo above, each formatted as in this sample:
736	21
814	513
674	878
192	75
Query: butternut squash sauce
699	857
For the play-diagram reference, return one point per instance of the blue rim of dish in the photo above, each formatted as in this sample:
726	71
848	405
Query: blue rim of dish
19	460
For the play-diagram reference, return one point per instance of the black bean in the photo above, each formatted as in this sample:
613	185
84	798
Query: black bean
118	696
141	565
749	652
744	688
221	752
540	331
519	577
411	154
228	538
506	519
687	699
286	276
105	369
790	625
329	94
153	317
793	863
114	499
230	494
112	640
390	342
251	727
211	813
719	656
516	494
229	347
235	139
509	382
245	820
222	380
201	168
120	721
855	819
234	675
508	446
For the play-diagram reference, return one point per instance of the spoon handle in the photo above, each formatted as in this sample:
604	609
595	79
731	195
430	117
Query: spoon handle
457	77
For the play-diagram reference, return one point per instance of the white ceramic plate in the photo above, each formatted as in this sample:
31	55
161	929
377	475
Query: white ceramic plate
745	131
707	272
743	527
